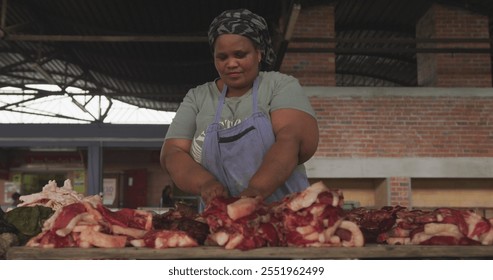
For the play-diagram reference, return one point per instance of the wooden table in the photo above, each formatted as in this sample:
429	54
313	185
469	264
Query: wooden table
368	252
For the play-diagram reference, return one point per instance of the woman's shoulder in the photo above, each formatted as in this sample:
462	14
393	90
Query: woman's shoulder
205	87
200	93
279	81
276	76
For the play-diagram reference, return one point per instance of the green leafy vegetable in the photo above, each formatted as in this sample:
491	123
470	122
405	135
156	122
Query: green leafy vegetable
28	220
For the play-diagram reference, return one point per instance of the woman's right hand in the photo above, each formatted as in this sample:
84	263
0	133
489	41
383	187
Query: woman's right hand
211	189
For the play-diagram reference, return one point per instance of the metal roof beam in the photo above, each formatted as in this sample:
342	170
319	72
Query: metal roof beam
106	38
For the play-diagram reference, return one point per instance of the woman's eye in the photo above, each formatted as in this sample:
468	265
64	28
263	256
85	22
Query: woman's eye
240	54
221	57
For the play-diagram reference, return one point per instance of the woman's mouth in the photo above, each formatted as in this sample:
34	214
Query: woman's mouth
233	74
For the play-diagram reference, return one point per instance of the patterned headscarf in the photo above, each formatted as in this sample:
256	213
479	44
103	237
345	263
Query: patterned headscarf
245	23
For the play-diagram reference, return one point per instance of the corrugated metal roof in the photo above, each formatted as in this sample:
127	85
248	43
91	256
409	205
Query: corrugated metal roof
149	52
162	50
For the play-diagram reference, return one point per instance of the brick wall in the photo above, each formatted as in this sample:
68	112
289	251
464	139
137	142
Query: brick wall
453	69
384	126
405	126
400	191
312	68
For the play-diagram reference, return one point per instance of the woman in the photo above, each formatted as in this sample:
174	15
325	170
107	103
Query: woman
248	132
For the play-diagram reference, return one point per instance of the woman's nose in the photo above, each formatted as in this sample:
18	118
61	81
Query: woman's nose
231	63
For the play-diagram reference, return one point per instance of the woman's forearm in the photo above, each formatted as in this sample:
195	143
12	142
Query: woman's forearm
296	141
277	166
185	172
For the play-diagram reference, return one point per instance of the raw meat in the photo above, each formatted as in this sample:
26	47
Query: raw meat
243	230
442	226
183	219
313	217
82	225
57	197
161	239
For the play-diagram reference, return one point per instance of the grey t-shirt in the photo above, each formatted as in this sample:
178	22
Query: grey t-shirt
197	111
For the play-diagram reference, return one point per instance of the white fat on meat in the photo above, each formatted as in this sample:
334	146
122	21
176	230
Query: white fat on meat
71	225
420	237
357	239
329	232
398	240
336	195
234	242
474	220
80	228
138	243
35	241
220	237
133	232
305	230
435	229
313	236
148	218
334	239
84	244
242	207
487	238
165	239
306	197
48	224
102	240
94	200
56	197
317	210
174	240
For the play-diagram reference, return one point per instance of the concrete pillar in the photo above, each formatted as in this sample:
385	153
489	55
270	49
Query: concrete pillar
94	169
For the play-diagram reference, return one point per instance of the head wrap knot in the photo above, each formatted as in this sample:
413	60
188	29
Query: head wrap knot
245	23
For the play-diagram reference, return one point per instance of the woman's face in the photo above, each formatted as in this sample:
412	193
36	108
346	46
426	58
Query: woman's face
236	60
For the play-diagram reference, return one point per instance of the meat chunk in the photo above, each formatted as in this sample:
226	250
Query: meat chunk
314	218
161	239
442	226
311	218
242	207
101	240
233	227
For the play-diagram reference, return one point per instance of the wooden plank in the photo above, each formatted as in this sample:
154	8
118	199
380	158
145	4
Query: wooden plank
367	252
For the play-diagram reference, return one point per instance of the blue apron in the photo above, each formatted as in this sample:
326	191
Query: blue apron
234	154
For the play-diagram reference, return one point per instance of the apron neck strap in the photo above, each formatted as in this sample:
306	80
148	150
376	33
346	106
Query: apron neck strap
222	97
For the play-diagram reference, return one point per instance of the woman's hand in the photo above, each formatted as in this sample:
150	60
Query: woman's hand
212	189
176	160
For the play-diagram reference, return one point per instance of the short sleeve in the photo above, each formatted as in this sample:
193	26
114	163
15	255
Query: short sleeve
288	94
183	125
